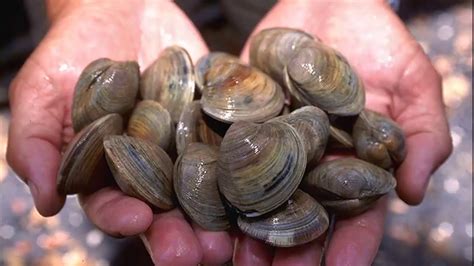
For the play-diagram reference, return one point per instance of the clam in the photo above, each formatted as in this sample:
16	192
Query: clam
379	140
141	169
271	49
194	127
207	62
195	184
340	138
238	92
300	220
318	75
169	80
104	87
347	186
84	153
260	165
313	126
150	121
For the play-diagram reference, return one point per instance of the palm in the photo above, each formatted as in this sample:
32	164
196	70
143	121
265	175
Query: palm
400	82
41	98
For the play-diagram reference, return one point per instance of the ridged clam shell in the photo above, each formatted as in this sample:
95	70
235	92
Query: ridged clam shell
195	184
347	186
104	87
238	92
271	49
150	121
206	62
84	153
141	169
170	81
318	75
301	220
313	126
379	140
192	127
260	165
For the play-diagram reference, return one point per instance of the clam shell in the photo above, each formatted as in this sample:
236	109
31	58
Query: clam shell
379	140
104	87
347	186
238	92
301	220
318	75
195	184
84	153
312	124
341	139
141	169
170	81
271	49
260	166
192	127
207	62
150	121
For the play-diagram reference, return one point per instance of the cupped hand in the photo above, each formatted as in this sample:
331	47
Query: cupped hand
41	99
400	82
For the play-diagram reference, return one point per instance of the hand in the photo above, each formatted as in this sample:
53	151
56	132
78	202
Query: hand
41	97
400	82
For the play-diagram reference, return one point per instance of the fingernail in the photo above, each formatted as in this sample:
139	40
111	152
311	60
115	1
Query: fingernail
147	245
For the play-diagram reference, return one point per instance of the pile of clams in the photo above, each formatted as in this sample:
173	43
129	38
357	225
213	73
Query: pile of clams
233	144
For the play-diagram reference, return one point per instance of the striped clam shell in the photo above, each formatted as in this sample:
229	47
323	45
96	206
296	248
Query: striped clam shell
300	220
260	166
195	184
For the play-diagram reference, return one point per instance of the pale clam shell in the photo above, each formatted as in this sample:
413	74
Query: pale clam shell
195	184
193	127
141	169
260	166
170	81
347	186
318	75
300	220
150	121
104	87
238	92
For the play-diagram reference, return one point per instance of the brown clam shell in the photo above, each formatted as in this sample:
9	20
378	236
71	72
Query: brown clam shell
84	153
300	220
195	184
104	87
150	121
141	169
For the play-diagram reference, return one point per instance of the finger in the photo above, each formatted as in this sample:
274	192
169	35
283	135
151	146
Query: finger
216	246
249	251
307	254
115	213
355	241
418	108
35	136
425	152
171	240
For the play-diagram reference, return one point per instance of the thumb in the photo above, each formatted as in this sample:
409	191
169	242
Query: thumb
35	136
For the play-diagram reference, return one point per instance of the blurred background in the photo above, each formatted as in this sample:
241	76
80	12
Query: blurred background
437	232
